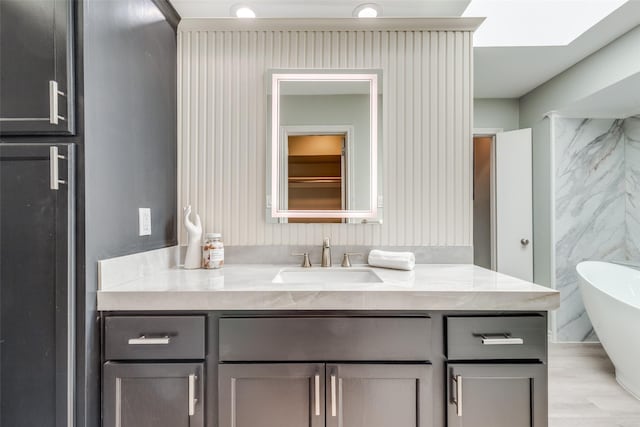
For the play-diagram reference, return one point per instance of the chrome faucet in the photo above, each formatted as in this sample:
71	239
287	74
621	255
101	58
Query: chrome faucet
326	253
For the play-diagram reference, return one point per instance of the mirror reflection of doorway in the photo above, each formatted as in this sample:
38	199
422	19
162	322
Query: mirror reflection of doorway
316	174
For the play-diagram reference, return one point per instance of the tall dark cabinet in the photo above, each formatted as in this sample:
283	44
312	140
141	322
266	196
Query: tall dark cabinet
105	71
37	347
36	76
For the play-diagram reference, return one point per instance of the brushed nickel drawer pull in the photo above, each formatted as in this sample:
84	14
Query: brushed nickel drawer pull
317	395
54	179
333	396
143	340
53	102
458	398
192	395
501	339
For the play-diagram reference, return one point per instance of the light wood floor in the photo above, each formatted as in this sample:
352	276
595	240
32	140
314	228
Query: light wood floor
583	391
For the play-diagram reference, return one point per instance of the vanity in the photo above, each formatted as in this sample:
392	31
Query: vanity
365	122
266	345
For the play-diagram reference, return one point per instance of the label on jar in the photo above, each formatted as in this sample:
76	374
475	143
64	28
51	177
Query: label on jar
212	257
216	255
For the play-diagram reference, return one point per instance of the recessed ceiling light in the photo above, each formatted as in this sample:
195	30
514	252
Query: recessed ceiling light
242	11
368	10
535	22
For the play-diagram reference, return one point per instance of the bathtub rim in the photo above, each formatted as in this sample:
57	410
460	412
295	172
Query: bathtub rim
585	264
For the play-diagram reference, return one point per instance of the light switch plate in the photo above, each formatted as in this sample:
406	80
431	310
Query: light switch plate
144	221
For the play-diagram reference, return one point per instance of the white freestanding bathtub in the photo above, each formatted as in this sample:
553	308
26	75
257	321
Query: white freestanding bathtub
611	294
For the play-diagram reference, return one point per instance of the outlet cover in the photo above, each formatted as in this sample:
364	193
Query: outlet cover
144	221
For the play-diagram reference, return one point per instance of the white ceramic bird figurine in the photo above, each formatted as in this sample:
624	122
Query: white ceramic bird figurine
193	258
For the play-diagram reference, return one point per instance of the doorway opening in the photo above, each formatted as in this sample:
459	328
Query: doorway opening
483	201
503	202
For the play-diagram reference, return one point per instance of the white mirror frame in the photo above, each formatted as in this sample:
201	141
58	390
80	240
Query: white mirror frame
276	160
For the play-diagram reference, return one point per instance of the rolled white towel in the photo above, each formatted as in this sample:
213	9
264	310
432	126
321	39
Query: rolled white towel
396	260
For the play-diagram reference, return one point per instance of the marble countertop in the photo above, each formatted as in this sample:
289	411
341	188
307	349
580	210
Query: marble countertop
250	287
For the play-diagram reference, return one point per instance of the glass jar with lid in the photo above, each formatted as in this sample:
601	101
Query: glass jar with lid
213	251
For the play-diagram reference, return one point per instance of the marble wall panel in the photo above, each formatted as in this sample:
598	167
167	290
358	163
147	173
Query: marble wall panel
590	214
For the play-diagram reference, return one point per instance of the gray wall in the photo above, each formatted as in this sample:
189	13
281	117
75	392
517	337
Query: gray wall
130	126
541	158
607	66
130	145
492	113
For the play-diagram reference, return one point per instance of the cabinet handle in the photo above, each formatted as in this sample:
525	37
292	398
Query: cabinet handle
500	339
192	395
54	179
53	102
142	340
458	399
333	396
317	395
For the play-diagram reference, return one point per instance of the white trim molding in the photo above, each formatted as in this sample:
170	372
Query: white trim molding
330	24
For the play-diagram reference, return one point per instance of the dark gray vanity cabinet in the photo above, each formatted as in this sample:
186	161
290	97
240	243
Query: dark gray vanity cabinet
154	373
327	369
375	395
36	67
153	394
497	395
271	395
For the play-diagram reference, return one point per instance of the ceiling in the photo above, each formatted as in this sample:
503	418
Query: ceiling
500	72
510	72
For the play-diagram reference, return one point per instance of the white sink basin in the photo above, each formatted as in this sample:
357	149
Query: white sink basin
327	275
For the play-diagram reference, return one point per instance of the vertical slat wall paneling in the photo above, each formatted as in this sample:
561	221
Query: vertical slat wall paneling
432	95
426	129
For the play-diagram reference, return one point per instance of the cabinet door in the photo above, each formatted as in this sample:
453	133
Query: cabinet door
153	395
36	288
361	395
509	395
35	49
271	395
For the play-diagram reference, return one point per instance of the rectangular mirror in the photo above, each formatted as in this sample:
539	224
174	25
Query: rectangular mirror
323	133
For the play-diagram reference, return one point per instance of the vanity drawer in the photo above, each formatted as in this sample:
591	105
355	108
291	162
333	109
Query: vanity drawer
496	337
154	337
325	338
